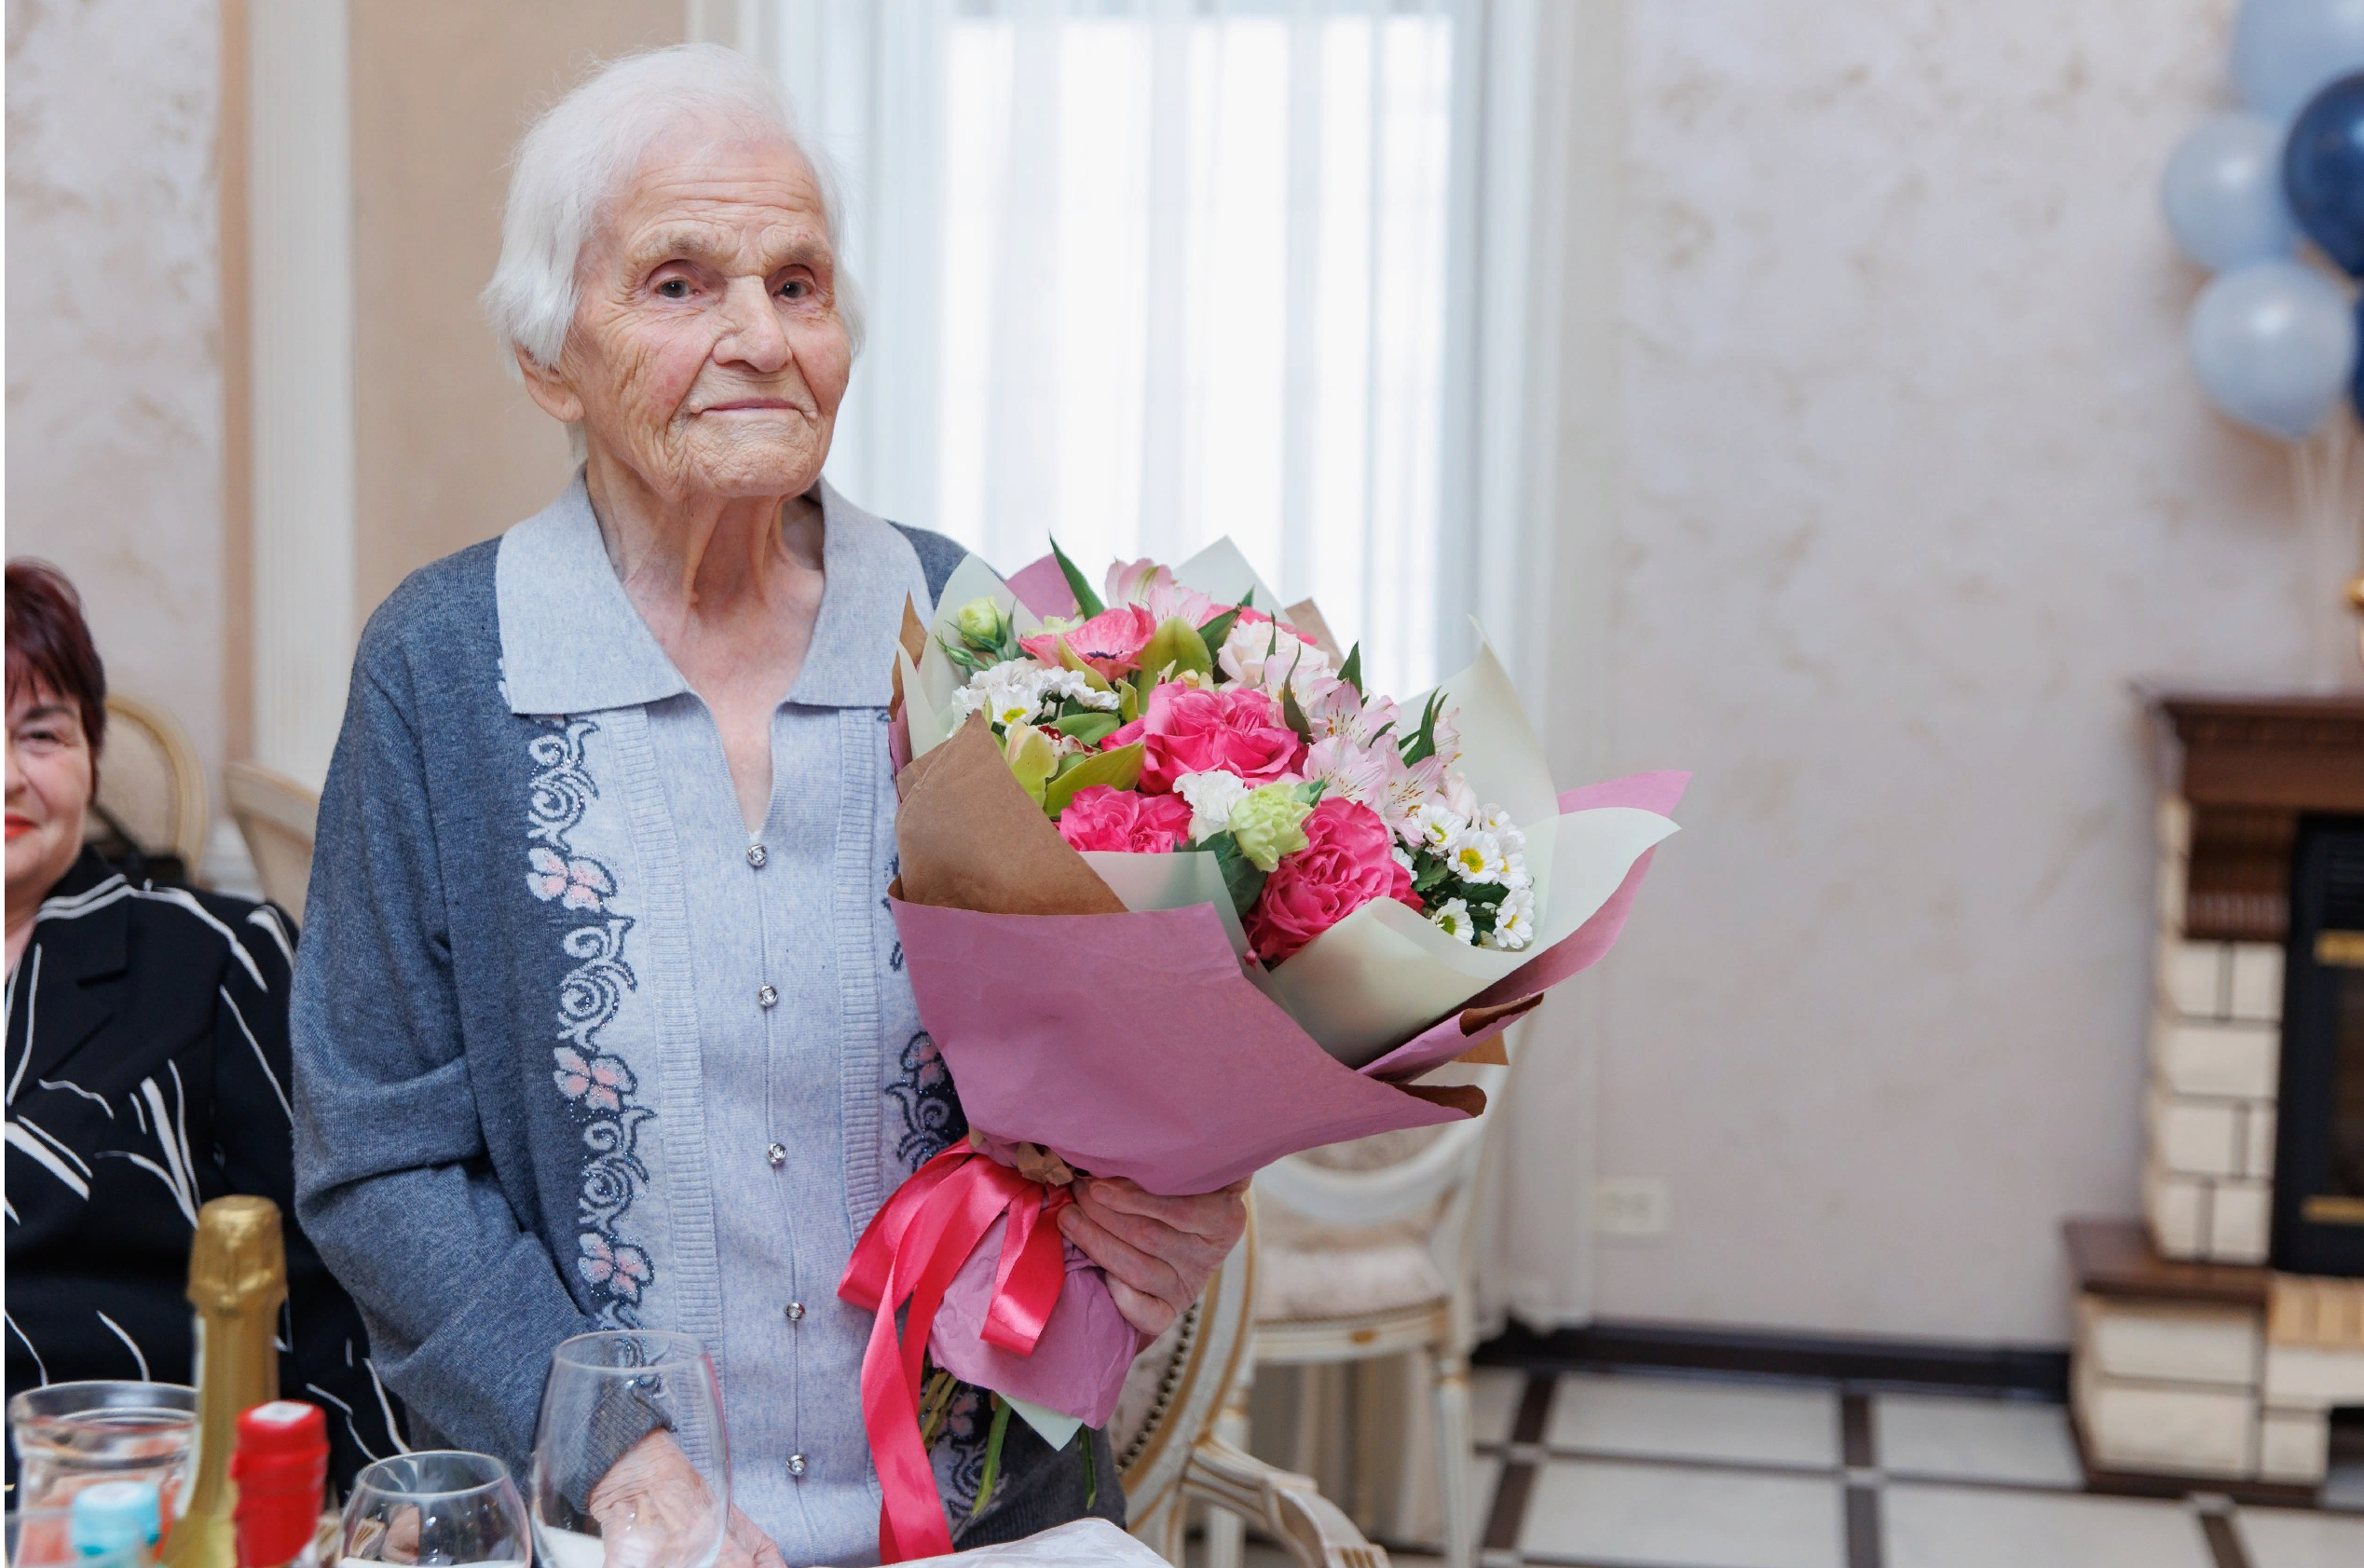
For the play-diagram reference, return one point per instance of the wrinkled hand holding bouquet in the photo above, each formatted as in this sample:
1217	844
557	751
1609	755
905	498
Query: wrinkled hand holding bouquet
1180	897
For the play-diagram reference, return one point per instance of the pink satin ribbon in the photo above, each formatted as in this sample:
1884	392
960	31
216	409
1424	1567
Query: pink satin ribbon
913	1247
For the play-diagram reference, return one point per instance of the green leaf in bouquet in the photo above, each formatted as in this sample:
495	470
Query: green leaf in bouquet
1351	671
1483	895
1130	697
1032	757
1118	769
1240	876
1175	646
1429	874
1423	743
1087	603
1294	715
1090	725
1215	631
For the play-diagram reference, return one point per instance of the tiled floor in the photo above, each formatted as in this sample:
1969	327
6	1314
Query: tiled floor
1628	1470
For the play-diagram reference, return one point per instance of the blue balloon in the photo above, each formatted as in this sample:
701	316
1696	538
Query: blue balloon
2222	192
2323	171
2274	344
2285	50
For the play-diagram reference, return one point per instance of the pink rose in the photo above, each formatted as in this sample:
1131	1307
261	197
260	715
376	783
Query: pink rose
1348	860
1187	730
1110	642
1102	818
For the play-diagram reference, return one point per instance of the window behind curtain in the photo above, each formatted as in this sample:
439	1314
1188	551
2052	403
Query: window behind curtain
1143	275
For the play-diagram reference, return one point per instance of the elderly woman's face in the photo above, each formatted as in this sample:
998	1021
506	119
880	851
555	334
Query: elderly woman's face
707	353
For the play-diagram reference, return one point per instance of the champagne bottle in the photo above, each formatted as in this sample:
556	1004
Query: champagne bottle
237	1277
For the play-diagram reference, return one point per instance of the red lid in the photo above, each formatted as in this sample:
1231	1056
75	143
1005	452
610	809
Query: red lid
281	1469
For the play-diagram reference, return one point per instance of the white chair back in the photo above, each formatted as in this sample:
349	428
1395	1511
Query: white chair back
277	816
151	782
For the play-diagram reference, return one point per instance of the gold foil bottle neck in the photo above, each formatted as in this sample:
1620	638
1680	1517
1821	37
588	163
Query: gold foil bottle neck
237	1261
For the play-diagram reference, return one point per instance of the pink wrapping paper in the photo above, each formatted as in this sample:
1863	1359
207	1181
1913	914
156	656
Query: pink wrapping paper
1042	588
1132	1045
1078	1366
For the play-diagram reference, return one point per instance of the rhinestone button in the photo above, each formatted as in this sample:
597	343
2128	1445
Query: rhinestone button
777	1154
765	997
796	1312
796	1464
755	856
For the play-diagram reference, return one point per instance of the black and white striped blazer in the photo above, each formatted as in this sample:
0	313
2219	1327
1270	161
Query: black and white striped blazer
147	1073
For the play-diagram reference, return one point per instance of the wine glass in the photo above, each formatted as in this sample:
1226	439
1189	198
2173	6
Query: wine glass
647	1399
445	1506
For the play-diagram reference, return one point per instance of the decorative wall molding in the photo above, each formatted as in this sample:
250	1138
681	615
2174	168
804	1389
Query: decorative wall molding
300	214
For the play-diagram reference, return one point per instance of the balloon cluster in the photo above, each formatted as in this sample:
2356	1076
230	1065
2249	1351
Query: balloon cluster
2272	339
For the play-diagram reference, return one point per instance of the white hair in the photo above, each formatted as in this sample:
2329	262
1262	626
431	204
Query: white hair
582	152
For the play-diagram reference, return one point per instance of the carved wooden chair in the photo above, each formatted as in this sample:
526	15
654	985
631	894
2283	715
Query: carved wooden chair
151	784
1168	1449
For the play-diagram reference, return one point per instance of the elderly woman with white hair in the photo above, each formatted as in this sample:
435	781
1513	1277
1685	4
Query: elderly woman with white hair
599	1015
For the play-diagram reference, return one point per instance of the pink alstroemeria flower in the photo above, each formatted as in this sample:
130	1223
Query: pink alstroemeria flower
578	884
1153	587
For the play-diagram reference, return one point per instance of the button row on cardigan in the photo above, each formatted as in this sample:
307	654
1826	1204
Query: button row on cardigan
777	1154
765	997
796	1312
755	856
796	1464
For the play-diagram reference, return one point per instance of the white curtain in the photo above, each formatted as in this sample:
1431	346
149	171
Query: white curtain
1145	273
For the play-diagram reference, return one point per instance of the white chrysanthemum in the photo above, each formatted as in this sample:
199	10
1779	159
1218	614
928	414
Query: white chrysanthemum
1212	796
1453	919
1476	855
1513	921
1435	823
1074	686
1011	704
1497	820
1514	876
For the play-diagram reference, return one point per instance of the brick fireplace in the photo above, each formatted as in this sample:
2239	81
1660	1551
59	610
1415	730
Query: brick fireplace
2197	1361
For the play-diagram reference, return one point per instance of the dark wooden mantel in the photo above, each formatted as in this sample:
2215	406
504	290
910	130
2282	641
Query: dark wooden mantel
2249	764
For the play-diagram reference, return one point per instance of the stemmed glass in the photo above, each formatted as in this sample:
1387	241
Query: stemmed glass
440	1508
648	1399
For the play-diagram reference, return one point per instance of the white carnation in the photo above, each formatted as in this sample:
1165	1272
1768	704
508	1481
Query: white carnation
1212	796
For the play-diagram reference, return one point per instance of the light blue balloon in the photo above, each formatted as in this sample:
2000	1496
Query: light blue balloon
2286	50
2274	343
2222	192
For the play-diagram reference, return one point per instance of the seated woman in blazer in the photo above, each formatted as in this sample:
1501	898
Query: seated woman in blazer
146	1072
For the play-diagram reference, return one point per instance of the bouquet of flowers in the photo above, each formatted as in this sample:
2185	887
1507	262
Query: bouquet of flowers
1180	896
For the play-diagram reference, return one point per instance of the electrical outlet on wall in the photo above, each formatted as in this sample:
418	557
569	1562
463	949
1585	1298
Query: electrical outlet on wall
1633	1205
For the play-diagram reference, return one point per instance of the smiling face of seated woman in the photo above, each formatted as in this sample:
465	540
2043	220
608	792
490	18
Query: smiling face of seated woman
708	354
49	780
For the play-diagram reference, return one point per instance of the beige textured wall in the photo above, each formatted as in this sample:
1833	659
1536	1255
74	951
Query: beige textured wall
114	369
449	450
1916	481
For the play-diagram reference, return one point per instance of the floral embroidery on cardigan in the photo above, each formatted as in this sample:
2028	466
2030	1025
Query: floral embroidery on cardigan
601	1087
933	1120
